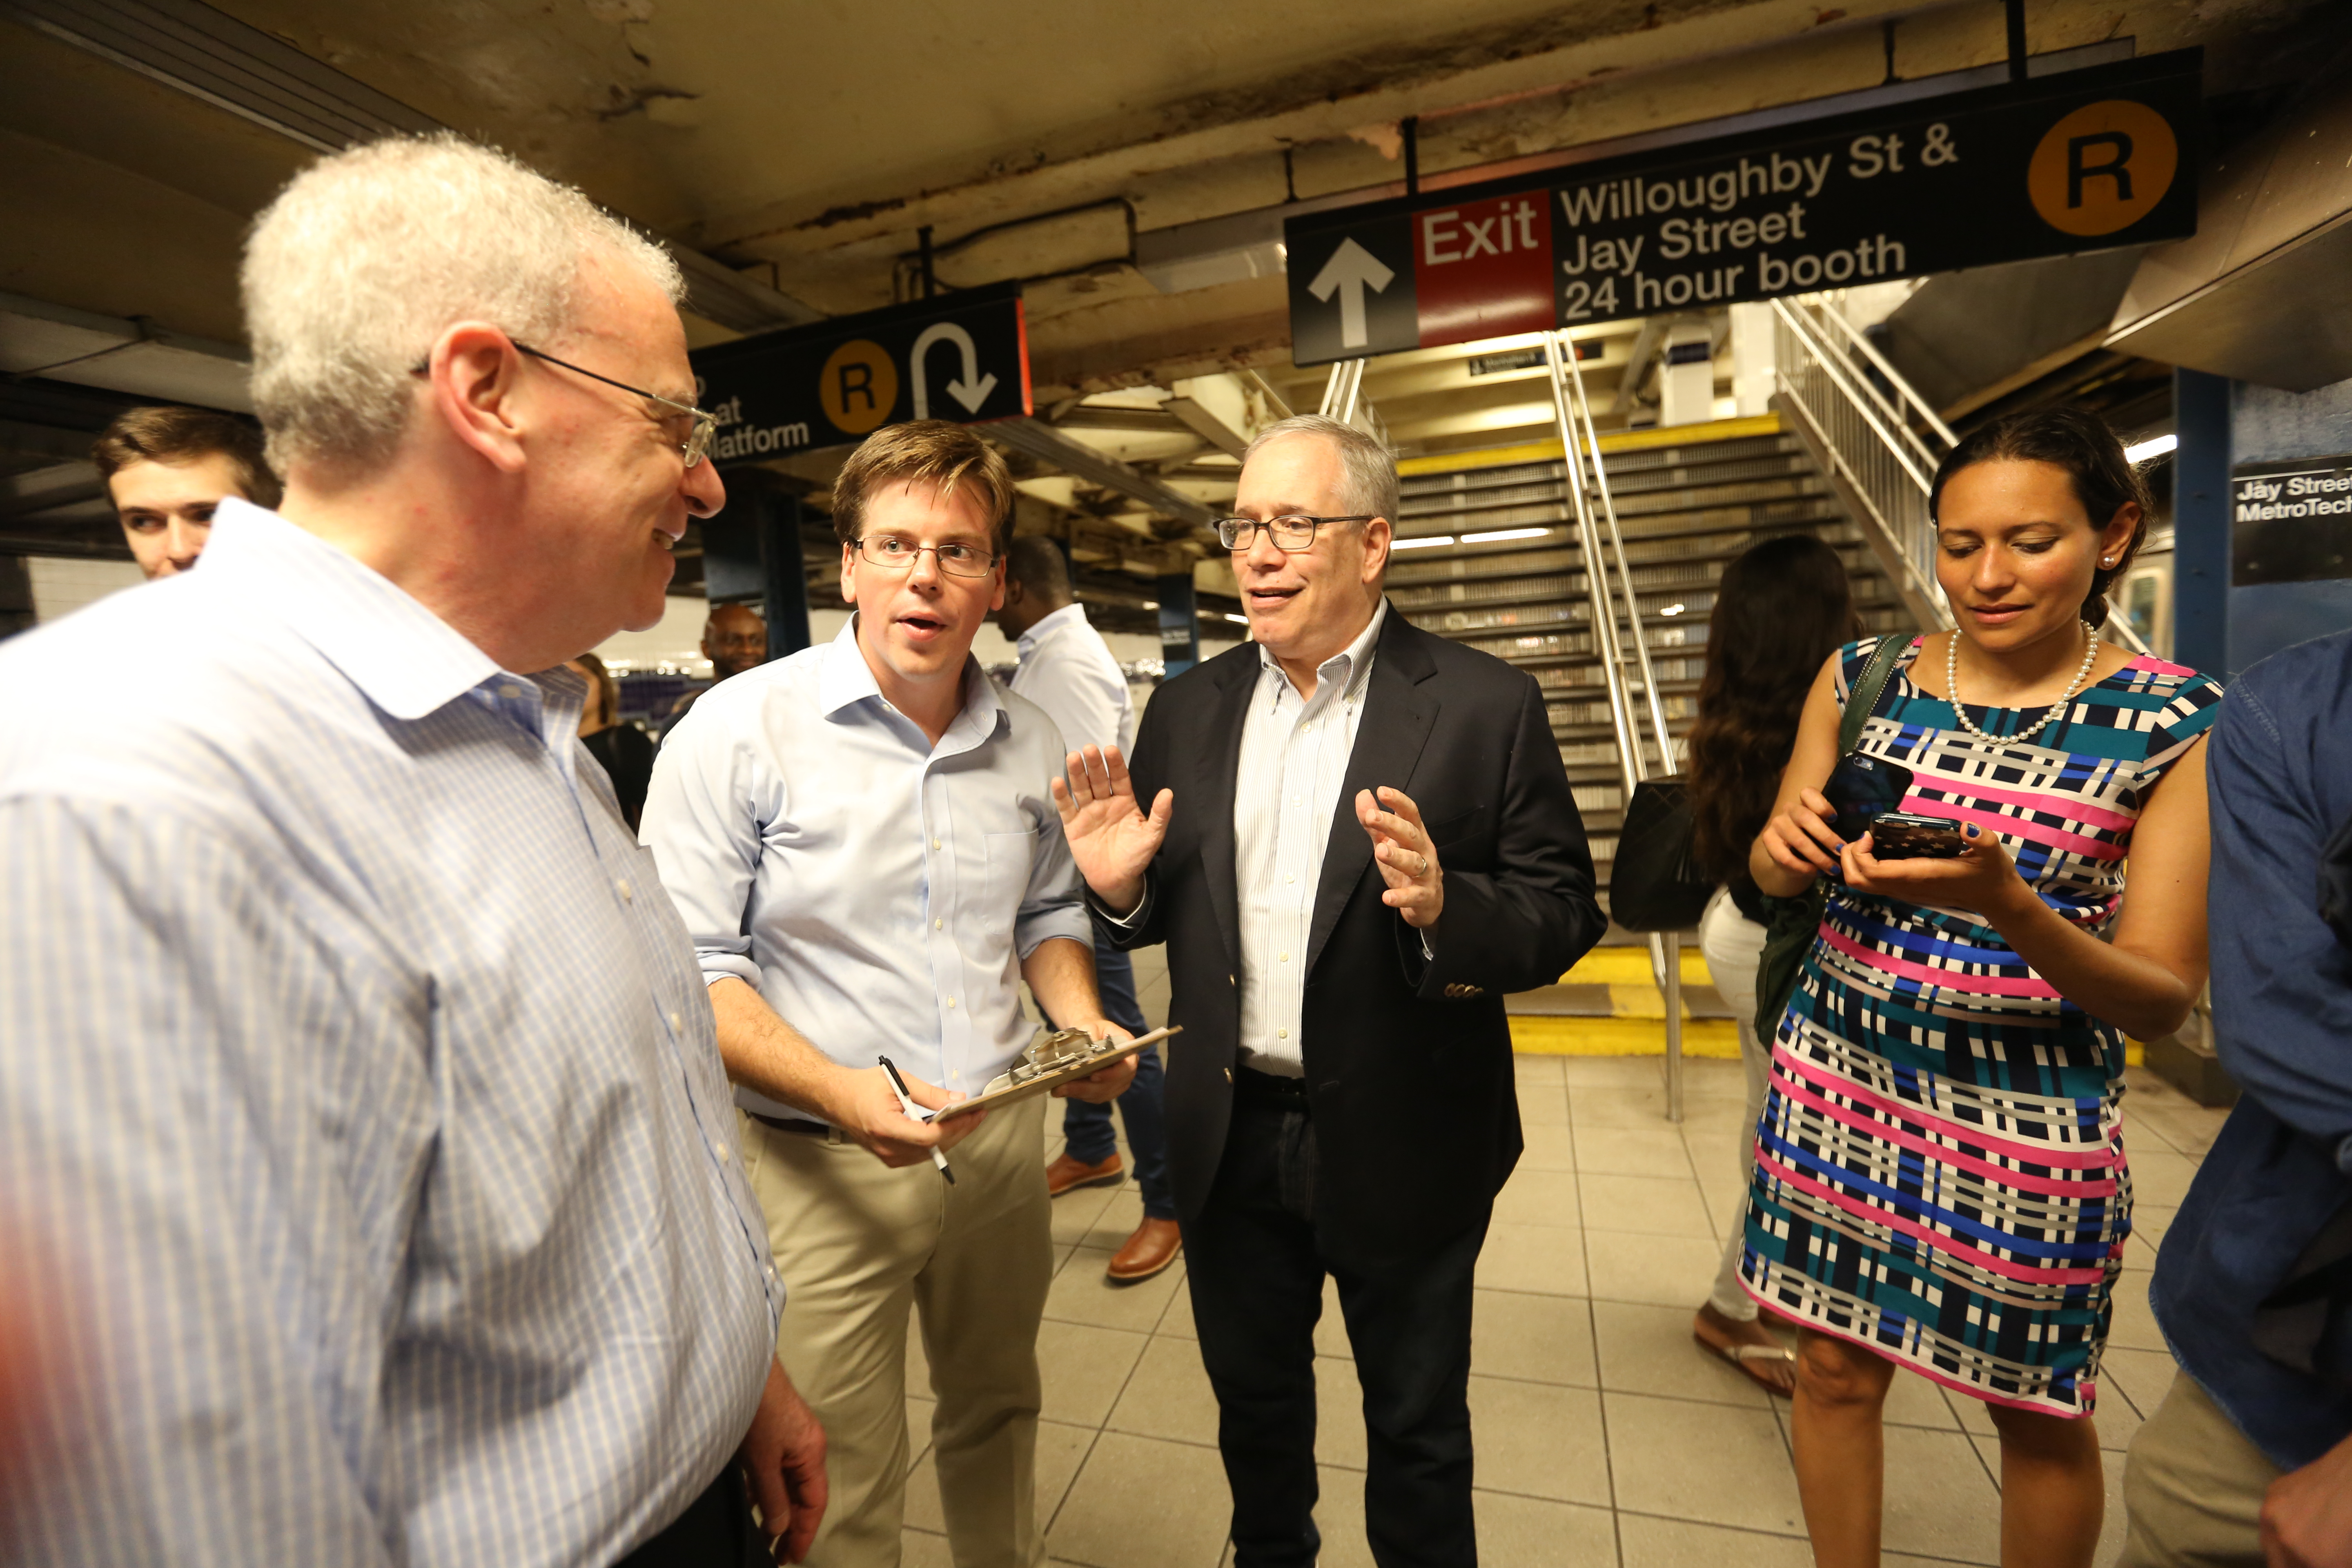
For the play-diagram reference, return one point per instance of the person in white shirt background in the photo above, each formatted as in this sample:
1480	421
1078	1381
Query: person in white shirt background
862	842
1067	669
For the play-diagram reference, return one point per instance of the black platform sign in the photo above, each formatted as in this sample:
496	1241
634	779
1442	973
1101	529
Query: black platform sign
2292	521
963	357
2079	160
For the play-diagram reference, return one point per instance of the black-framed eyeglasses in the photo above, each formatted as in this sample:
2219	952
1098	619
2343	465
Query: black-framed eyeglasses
896	552
698	434
1291	532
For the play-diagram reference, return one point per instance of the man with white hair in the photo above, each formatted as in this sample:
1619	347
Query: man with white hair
347	1042
1360	836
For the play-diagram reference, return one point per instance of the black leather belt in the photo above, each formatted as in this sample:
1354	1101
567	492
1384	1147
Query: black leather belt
790	1124
1270	1088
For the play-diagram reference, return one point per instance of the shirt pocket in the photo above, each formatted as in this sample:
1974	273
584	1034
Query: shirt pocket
1010	857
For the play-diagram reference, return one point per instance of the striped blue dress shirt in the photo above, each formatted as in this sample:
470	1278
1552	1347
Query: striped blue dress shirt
354	1063
877	891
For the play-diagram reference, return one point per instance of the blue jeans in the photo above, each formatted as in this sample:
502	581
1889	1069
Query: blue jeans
1085	1126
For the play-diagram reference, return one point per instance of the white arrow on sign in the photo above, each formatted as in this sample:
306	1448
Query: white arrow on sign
1351	270
972	391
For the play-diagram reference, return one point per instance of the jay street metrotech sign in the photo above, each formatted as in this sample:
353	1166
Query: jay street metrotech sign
962	356
2080	160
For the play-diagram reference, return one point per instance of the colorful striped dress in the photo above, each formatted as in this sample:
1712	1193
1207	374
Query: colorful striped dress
1939	1172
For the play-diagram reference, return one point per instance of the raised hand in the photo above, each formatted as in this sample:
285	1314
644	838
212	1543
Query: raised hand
1408	862
1111	840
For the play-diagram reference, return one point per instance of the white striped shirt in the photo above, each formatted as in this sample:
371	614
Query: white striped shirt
1285	796
348	1042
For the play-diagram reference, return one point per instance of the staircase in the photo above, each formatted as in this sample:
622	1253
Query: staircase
1688	500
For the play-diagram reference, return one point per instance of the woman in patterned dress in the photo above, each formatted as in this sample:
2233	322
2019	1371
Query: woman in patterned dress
1940	1182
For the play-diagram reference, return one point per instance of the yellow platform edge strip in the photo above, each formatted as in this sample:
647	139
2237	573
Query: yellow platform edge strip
1714	1038
1619	441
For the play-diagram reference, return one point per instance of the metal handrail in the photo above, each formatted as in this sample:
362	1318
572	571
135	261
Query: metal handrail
1868	427
1585	478
1859	341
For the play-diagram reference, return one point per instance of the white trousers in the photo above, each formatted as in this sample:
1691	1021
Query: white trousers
1732	945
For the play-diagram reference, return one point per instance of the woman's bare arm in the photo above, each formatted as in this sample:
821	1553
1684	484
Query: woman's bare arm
1798	843
2145	979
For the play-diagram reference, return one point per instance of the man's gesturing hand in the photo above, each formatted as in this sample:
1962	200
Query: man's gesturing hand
783	1458
1110	838
1408	862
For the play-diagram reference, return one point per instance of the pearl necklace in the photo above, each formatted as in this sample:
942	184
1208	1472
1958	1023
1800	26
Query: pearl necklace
1952	690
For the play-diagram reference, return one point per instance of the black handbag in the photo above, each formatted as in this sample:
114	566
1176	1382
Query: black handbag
1653	882
1789	924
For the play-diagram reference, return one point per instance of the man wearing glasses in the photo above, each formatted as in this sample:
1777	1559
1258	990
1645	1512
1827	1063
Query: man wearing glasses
369	1084
1359	837
862	844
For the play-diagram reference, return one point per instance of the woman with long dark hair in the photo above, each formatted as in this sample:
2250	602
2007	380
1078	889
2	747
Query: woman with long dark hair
1940	1182
1780	610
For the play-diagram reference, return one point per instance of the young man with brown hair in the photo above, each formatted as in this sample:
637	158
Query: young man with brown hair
166	469
862	844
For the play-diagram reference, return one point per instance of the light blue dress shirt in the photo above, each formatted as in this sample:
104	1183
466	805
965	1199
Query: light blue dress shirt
877	891
1067	669
353	1058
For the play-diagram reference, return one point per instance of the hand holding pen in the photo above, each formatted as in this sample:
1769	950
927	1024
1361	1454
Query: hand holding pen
906	1103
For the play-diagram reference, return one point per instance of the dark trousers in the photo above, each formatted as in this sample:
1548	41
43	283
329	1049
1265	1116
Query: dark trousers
1255	1266
1087	1126
715	1531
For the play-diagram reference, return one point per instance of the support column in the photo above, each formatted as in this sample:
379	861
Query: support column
751	554
2201	523
1180	624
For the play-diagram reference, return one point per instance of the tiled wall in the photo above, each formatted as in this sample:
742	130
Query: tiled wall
61	586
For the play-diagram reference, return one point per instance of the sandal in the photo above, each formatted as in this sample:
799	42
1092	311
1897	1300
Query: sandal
1743	1356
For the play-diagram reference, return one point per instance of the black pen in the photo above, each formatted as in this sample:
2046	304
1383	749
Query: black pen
898	1087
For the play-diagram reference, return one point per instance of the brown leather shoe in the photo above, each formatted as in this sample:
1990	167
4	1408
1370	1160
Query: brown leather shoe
1066	1174
1153	1248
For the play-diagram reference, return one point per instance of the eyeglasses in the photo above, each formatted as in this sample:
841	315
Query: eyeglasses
698	439
896	553
1291	532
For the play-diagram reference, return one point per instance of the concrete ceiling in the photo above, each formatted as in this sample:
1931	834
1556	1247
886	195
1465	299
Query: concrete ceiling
807	145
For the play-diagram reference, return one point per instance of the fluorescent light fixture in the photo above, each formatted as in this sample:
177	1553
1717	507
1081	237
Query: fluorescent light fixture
2155	447
1501	533
1431	543
1673	609
1237	620
1150	604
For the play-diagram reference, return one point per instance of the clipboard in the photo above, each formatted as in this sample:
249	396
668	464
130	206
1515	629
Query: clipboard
1005	1088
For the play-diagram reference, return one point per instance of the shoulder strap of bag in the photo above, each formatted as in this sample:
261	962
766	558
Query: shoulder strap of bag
1861	701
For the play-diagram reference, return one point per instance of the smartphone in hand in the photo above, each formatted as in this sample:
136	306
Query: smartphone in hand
1899	836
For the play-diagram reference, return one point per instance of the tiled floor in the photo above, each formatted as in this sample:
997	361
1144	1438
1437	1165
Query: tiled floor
1604	1436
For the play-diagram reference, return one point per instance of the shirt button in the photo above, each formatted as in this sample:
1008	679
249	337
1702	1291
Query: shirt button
1288	878
1293	800
935	844
1282	1033
719	1149
677	1023
939	925
1284	957
950	1001
628	894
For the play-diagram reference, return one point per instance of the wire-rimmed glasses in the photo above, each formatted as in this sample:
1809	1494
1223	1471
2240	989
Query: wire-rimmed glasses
698	434
897	552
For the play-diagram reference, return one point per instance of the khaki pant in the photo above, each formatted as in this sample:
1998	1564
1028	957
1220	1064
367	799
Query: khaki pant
859	1244
2193	1486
